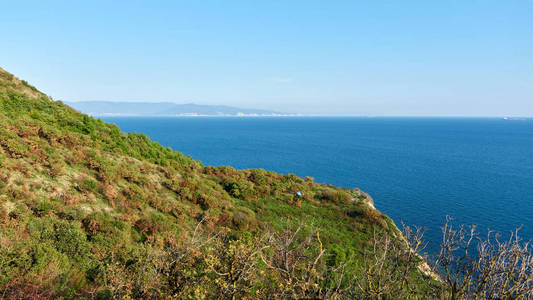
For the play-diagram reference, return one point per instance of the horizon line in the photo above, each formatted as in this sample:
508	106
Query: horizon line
296	115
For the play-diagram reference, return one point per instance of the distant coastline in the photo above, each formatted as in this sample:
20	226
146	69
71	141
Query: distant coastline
193	115
168	109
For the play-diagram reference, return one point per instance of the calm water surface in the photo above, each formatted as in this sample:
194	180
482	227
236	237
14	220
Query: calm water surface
418	170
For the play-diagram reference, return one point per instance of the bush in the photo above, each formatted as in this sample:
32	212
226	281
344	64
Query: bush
71	240
238	189
338	197
243	218
43	208
88	185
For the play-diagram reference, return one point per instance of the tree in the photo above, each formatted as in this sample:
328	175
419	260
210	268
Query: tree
489	268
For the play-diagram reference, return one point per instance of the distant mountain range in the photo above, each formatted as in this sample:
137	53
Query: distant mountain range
104	108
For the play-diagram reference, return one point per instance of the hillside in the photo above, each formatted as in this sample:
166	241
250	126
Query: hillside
89	211
104	108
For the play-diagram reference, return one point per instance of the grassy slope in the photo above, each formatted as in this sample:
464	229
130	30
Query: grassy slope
77	194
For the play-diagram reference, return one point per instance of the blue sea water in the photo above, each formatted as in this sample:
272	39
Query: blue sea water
418	170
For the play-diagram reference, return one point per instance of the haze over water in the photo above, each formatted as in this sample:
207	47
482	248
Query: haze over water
418	170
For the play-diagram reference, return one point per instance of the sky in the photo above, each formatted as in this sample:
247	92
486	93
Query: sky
378	58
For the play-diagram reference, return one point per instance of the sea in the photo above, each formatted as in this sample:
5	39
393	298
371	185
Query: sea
418	170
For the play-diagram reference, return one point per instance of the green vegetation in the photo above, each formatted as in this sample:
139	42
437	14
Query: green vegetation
86	209
89	211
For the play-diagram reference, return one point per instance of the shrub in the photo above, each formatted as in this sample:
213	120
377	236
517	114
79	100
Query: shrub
258	176
153	224
338	197
71	240
43	208
238	189
88	185
56	166
243	218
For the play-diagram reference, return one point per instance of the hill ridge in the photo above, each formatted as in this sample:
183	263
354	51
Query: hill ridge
107	108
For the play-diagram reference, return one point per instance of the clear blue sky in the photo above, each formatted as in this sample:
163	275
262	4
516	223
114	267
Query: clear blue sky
328	57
